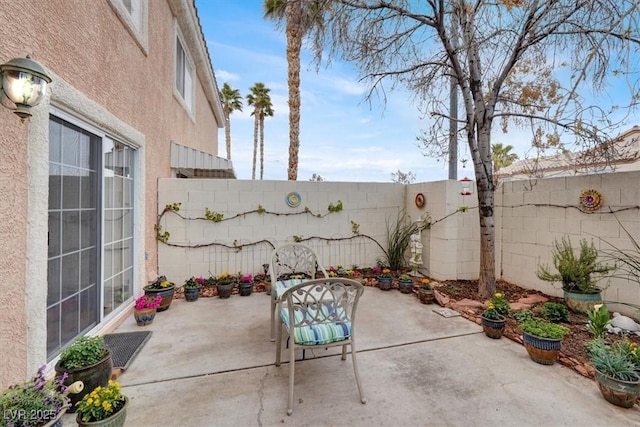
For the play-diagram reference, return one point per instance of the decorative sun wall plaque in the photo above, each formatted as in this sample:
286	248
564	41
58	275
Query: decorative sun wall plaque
590	200
293	199
419	200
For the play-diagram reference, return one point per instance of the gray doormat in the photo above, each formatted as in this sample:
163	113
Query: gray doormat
125	346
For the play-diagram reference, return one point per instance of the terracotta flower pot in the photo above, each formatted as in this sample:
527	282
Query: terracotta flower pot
542	350
245	289
165	293
191	294
224	289
384	283
493	328
581	302
620	393
145	316
405	286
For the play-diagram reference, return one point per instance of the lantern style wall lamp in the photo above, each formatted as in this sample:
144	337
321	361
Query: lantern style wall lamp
24	83
465	186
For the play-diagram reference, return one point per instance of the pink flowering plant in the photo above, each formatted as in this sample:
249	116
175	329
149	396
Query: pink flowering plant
246	278
145	301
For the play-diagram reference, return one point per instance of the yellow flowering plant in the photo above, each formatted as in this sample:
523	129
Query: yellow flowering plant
498	306
101	403
160	283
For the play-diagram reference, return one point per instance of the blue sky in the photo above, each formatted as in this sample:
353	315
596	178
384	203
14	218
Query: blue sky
343	137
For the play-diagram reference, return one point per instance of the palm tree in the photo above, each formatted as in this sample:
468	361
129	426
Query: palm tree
501	156
231	101
261	101
300	17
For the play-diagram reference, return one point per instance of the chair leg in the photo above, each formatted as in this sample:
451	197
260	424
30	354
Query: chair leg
279	342
273	317
355	369
292	370
344	352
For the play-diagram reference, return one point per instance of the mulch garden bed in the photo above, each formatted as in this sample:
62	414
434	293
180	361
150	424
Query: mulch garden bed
574	350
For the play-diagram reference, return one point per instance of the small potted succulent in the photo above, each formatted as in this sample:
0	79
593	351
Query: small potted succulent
245	285
385	279
192	288
88	360
145	309
617	368
405	284
161	286
425	293
543	340
103	406
494	316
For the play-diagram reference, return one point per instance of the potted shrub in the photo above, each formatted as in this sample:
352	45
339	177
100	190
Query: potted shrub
576	273
405	283
385	279
224	284
617	368
88	360
543	340
192	288
145	309
103	406
494	316
37	402
161	286
425	293
245	285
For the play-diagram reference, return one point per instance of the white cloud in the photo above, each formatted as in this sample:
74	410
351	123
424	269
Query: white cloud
226	76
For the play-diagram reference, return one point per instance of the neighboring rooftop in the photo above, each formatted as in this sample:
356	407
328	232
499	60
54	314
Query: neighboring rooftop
622	153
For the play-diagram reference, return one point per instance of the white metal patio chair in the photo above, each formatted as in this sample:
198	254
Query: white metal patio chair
319	313
289	265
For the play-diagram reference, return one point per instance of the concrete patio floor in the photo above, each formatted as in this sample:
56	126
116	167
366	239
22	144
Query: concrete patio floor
211	363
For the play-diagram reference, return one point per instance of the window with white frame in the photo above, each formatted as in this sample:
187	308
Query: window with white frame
134	8
184	74
91	236
134	15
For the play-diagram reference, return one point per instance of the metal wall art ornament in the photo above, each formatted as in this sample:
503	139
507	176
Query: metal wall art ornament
590	200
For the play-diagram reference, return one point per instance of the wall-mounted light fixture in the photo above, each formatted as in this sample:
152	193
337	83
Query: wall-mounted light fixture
466	187
24	83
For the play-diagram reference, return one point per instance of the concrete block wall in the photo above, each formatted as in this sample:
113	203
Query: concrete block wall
370	205
531	214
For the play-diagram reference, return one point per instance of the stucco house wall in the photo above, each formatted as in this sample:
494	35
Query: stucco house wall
112	81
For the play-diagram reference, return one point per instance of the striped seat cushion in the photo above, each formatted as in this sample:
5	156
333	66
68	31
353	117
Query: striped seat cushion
283	285
317	333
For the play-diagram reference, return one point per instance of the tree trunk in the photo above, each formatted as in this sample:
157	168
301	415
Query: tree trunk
255	143
485	189
293	13
261	146
227	132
